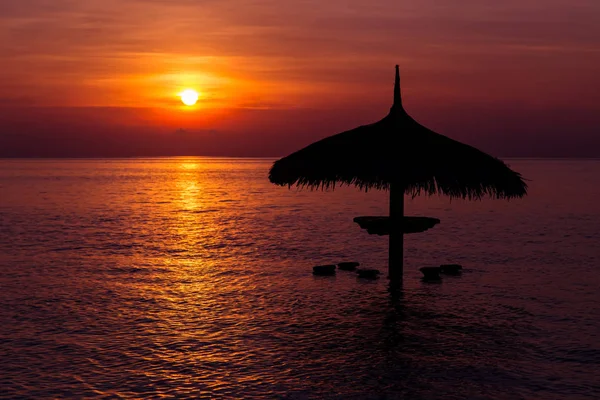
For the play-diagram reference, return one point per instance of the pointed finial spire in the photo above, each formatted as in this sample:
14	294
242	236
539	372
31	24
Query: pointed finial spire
397	97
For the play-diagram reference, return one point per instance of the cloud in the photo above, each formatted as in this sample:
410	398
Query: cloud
100	132
271	56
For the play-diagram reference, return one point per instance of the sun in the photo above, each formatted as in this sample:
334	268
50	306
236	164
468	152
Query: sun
189	97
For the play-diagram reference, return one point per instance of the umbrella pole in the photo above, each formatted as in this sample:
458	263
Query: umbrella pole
396	250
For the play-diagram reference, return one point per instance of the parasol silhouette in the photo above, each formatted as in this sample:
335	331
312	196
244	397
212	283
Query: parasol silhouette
400	155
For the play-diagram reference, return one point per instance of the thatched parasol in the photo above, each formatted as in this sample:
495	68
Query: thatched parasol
400	155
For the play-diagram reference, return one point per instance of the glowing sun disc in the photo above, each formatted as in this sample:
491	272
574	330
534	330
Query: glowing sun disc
189	97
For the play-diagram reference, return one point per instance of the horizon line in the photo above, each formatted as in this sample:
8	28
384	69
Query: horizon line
250	157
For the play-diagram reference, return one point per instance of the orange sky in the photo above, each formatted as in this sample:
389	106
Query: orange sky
274	75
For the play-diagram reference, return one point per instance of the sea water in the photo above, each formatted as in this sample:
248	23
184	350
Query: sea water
191	277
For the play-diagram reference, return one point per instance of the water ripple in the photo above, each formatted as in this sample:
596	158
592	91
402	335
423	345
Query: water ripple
166	282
